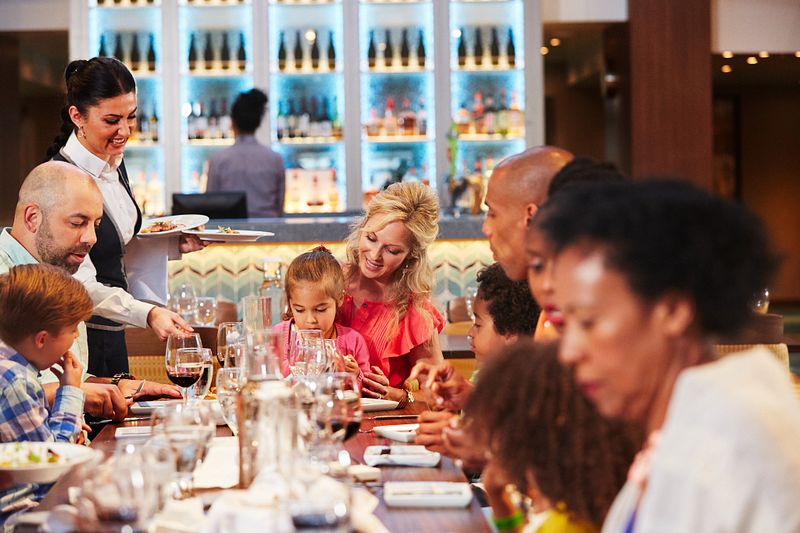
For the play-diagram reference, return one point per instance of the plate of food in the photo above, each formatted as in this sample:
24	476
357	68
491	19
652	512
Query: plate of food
171	225
42	462
228	234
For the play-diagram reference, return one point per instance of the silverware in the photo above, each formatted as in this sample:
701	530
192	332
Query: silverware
137	391
393	417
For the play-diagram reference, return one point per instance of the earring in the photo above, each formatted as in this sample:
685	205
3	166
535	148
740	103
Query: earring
82	132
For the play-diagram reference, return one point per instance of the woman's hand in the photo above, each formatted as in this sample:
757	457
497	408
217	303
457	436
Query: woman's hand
376	385
190	243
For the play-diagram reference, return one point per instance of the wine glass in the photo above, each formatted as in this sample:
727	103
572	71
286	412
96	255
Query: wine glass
203	385
305	346
229	384
335	361
469	301
339	405
184	360
230	344
184	302
206	311
189	428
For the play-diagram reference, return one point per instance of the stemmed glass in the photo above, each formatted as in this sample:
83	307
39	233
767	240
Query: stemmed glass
305	351
203	385
184	360
338	405
206	311
229	384
334	360
189	428
469	301
230	344
184	302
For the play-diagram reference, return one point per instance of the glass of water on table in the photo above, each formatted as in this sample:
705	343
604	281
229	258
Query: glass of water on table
229	384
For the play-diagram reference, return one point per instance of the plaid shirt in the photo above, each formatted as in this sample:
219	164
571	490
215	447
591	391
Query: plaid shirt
24	412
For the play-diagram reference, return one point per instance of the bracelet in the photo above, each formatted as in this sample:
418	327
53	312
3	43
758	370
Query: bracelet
122	375
508	522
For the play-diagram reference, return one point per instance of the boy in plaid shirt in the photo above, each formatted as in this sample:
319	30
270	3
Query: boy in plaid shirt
40	309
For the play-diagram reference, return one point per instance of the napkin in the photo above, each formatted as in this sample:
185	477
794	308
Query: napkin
426	494
220	468
401	456
369	405
398	432
180	516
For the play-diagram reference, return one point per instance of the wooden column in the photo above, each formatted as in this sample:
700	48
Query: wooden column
9	142
670	83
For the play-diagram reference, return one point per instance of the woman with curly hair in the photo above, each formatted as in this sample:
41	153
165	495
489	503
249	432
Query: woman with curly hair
547	440
388	287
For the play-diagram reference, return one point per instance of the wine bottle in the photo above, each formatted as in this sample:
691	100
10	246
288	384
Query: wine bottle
192	52
102	52
462	49
477	50
136	54
118	53
291	120
282	53
389	118
241	55
510	50
213	121
201	122
490	116
371	55
151	53
143	127
154	124
326	124
304	119
225	53
225	122
407	119
495	48
388	51
280	122
331	52
313	118
502	114
315	52
405	51
208	53
298	51
422	119
421	50
336	122
191	128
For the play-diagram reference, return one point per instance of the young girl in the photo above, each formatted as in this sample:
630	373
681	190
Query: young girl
314	291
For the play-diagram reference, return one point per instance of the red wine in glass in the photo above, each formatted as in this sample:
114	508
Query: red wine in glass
185	374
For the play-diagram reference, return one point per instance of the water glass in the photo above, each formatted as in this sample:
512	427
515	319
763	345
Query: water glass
338	405
183	301
203	385
230	344
206	311
189	428
306	352
229	384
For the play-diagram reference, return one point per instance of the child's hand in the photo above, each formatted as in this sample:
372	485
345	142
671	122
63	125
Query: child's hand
72	370
350	365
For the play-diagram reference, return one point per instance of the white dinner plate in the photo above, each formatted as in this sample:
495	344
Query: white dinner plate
44	472
369	405
184	222
242	235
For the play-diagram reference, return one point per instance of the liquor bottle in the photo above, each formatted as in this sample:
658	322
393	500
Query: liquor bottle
241	55
421	50
201	122
118	53
208	53
315	52
374	123
371	55
154	124
405	51
280	121
225	122
422	119
282	53
192	52
510	50
331	52
490	116
462	50
304	119
477	50
102	52
495	48
407	119
190	122
502	114
142	131
213	121
388	51
291	120
298	51
389	118
516	119
477	112
326	122
314	121
136	54
151	54
225	53
462	119
336	120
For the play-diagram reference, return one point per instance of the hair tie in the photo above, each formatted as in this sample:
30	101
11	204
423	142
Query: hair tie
74	67
322	248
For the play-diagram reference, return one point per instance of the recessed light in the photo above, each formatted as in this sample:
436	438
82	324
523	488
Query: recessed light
752	60
544	50
555	41
726	69
763	54
797	54
727	54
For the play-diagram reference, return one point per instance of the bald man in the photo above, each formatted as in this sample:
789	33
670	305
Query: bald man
517	188
58	209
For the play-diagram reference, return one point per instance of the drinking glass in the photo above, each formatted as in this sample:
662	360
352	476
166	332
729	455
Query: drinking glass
335	361
469	301
316	502
203	385
189	428
761	301
184	360
338	405
206	311
183	301
230	344
229	384
305	351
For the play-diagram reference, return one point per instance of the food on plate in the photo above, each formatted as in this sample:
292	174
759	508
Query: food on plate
161	226
28	454
227	230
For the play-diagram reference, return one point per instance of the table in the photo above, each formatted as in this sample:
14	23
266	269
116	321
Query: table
470	519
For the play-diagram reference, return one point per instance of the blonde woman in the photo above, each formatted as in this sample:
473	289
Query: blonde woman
387	294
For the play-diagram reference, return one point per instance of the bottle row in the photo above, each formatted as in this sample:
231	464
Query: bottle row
131	54
489	117
406	122
125	2
146	126
216	52
306	52
478	54
149	193
315	117
391	57
310	191
211	123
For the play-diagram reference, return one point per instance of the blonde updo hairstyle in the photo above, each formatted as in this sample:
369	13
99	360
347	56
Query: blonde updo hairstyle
416	206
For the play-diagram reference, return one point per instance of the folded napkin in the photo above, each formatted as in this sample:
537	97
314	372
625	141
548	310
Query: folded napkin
398	432
426	494
220	469
401	456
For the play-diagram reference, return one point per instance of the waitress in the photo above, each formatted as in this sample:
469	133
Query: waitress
98	119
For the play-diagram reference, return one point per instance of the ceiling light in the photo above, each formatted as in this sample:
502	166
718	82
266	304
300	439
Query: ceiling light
726	69
727	54
752	60
555	41
544	50
763	54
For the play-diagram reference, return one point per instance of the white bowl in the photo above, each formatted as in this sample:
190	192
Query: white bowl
71	454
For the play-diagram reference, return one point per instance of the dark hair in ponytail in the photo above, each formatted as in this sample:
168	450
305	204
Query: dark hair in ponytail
88	82
248	110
